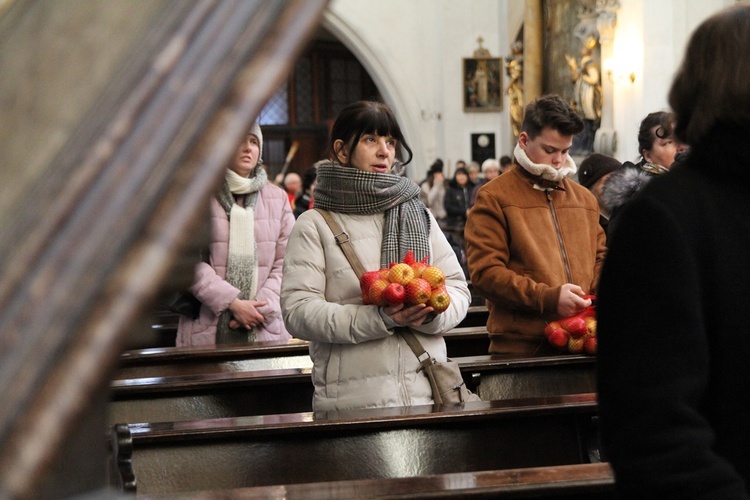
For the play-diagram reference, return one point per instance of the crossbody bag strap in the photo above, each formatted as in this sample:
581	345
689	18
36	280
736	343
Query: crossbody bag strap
416	346
342	240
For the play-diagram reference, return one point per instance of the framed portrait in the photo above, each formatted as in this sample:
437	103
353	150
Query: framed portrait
483	84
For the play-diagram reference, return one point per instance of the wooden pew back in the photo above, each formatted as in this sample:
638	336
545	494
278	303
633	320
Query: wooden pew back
375	443
229	390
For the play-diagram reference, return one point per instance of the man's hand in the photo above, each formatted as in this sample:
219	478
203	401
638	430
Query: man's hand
571	300
245	313
412	316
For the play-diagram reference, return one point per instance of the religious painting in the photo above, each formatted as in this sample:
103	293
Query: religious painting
483	84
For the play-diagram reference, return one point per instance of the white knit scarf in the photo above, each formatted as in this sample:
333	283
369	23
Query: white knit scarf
546	172
242	261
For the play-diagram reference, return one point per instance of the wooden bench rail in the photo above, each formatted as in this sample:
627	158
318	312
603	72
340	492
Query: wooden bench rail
589	481
236	388
237	374
172	457
257	349
342	421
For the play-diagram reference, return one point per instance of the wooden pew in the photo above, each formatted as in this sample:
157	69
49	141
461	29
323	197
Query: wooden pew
580	481
235	389
306	447
161	361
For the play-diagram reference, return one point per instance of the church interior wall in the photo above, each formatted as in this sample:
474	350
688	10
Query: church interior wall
414	51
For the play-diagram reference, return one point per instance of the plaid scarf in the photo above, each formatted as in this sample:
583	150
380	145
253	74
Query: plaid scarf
353	191
242	260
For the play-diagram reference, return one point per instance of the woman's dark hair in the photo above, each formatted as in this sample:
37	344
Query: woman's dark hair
461	170
551	111
366	117
711	86
662	121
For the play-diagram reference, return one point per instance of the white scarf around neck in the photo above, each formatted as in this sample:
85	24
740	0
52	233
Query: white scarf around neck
546	172
242	246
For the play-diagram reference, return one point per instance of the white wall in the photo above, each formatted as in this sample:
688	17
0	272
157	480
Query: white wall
650	38
413	51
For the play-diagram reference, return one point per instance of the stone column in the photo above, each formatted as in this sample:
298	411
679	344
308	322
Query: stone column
605	140
533	50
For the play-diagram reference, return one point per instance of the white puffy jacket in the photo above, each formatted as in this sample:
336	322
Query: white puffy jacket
358	362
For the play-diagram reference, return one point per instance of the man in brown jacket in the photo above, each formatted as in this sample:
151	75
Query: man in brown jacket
534	243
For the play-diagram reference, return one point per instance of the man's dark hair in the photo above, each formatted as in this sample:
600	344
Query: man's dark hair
551	111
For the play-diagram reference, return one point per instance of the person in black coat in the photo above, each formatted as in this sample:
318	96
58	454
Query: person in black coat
457	197
673	365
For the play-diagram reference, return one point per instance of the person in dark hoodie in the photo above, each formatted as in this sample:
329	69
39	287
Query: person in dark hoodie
657	147
595	170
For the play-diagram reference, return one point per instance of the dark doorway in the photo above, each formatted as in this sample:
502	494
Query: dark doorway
297	118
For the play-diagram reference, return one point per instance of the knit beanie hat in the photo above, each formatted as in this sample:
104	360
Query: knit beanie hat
255	130
595	167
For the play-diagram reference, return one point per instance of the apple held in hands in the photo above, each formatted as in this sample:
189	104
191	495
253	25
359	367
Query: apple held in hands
576	334
418	291
551	327
376	292
559	338
409	282
365	282
394	294
439	299
434	276
575	325
589	345
401	273
575	345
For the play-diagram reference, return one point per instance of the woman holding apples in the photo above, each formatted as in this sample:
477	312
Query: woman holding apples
358	360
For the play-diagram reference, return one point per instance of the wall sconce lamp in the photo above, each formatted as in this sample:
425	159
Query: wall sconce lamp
435	115
615	73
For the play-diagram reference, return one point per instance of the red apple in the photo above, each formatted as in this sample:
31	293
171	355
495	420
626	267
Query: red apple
394	294
376	292
589	345
575	345
418	267
365	282
439	299
434	276
551	327
590	326
418	291
401	273
559	338
575	325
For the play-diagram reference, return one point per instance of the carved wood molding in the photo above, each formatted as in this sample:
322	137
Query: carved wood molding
146	160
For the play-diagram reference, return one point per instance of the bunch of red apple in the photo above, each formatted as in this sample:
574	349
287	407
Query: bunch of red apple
576	334
408	282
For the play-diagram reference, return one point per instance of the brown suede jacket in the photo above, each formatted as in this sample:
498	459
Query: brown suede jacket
522	245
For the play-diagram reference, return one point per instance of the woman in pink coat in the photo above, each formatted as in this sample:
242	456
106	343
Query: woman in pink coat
239	287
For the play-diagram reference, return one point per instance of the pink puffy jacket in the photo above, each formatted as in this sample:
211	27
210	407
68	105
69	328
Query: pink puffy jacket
273	223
